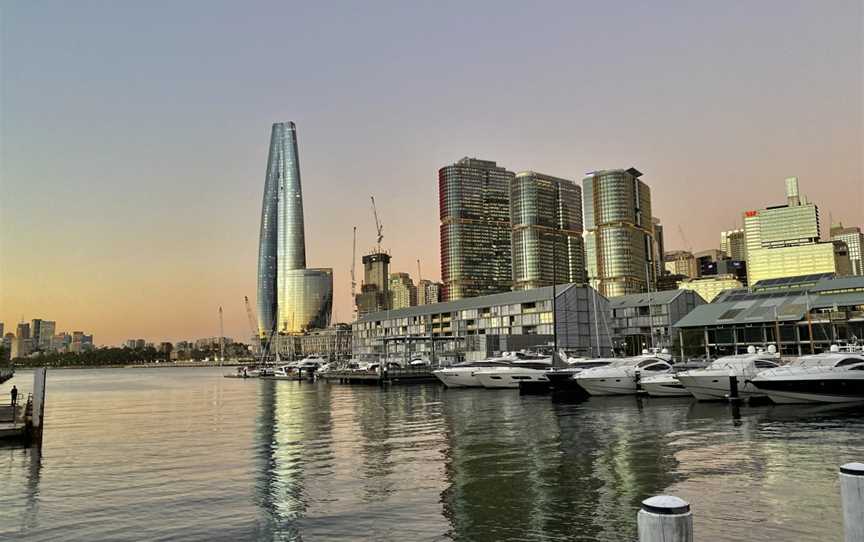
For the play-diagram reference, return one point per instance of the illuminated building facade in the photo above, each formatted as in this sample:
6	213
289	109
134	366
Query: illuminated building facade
474	205
291	298
619	242
546	217
784	241
711	286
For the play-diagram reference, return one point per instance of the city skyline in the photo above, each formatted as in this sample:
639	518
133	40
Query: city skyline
161	229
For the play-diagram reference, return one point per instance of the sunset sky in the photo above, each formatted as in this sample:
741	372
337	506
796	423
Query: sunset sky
134	134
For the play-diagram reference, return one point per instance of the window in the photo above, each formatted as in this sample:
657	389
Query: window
849	361
656	367
764	364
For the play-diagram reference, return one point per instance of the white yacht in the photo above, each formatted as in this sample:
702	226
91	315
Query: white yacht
664	385
310	362
562	379
461	375
831	377
285	372
620	377
522	370
712	382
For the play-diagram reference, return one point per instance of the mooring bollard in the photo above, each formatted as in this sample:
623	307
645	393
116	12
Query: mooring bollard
665	519
852	494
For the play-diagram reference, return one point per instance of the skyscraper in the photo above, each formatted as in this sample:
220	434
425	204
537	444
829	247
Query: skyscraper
474	204
784	240
291	298
428	292
619	244
403	293
854	240
546	217
374	293
732	243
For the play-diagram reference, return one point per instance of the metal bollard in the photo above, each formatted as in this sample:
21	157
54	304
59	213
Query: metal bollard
852	494
665	519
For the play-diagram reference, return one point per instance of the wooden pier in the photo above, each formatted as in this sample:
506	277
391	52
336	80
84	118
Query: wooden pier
22	422
380	378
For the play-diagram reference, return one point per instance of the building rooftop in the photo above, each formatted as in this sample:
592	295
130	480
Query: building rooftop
741	306
653	298
506	298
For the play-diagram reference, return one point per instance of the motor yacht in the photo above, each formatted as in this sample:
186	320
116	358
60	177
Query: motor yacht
712	382
310	362
622	375
562	379
836	376
664	385
521	370
461	375
286	372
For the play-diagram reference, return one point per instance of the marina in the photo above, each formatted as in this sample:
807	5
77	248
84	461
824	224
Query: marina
260	458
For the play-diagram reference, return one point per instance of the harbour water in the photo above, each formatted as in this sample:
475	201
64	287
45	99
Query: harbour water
184	454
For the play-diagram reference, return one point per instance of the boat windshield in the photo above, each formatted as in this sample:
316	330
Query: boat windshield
589	364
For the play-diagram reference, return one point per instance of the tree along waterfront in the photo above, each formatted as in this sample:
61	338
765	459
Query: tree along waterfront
107	356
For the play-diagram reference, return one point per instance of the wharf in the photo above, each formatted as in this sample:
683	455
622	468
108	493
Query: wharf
390	376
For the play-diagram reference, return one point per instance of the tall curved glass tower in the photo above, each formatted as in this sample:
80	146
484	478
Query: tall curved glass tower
291	298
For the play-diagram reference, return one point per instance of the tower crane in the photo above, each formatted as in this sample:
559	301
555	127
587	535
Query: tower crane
419	275
253	322
379	227
687	245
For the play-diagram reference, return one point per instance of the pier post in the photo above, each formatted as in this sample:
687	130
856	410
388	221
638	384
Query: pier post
665	518
852	494
733	388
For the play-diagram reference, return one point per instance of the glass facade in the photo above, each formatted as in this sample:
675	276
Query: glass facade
619	239
474	205
784	241
546	218
291	298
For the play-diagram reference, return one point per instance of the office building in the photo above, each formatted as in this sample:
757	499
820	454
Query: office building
619	242
479	327
811	312
854	240
709	287
474	205
429	292
784	241
681	262
291	298
641	321
8	339
732	244
375	290
546	216
659	247
403	293
706	261
47	329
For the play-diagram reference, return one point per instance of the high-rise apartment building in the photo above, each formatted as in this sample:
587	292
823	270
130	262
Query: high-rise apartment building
474	205
429	292
854	240
291	298
619	231
374	293
659	247
732	244
546	216
784	241
681	262
403	293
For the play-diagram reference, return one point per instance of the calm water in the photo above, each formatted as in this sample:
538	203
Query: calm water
184	454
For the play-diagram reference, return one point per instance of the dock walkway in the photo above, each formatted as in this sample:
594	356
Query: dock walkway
390	376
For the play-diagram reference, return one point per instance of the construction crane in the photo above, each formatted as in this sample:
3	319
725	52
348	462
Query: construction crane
221	337
379	227
253	322
419	275
687	245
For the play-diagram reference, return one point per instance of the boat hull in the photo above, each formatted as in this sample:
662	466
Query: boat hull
830	388
614	385
508	379
716	387
666	389
460	379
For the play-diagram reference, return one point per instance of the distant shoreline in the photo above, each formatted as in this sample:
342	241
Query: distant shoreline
165	365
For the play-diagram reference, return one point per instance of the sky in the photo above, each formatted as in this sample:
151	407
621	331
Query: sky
133	135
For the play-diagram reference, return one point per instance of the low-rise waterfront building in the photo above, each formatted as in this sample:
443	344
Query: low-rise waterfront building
641	321
809	313
709	287
479	327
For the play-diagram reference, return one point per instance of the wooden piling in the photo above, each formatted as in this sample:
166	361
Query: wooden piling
852	495
665	518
